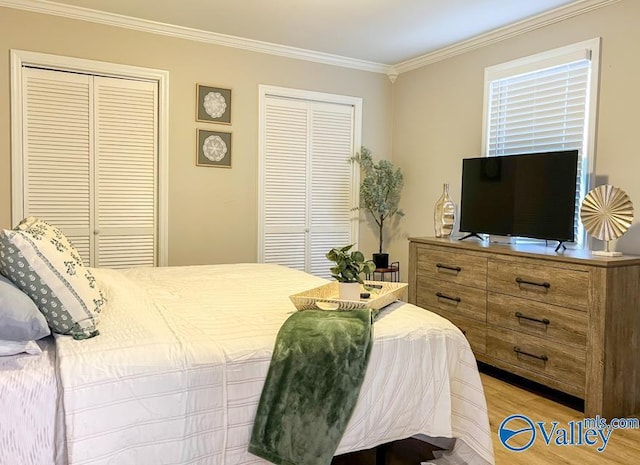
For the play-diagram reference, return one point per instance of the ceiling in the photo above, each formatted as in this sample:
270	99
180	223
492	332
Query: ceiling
385	32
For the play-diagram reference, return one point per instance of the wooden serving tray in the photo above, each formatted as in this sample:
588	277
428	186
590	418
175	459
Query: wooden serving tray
382	293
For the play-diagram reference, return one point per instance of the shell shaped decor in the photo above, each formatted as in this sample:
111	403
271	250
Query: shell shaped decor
606	212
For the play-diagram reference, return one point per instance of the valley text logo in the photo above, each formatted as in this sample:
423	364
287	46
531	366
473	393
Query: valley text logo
518	432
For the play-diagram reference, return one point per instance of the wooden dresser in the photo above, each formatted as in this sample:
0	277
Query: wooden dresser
567	319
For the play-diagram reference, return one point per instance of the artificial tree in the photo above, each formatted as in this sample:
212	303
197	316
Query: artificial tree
380	190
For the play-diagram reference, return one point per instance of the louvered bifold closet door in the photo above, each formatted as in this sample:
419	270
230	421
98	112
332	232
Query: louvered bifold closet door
56	152
308	189
126	157
332	197
285	196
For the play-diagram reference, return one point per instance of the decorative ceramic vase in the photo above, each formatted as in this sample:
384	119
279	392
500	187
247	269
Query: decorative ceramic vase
349	291
444	214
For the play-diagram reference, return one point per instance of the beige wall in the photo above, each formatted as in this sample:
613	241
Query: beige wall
212	211
434	114
438	114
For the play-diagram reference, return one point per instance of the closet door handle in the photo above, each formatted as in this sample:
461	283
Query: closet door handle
517	350
457	269
544	321
544	284
440	295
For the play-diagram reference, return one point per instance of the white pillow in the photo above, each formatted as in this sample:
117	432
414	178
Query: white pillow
20	318
37	227
18	347
51	273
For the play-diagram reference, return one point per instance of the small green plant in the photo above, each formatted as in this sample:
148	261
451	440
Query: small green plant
379	189
350	266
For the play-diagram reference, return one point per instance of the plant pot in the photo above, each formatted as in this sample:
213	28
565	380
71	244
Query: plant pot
349	291
381	260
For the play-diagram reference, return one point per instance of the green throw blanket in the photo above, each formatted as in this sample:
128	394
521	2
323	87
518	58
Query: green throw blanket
316	371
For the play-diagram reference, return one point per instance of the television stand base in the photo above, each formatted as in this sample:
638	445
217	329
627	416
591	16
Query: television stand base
561	244
472	235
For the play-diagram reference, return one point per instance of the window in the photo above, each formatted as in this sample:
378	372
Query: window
543	103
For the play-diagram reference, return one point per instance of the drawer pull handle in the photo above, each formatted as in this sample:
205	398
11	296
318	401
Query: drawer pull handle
440	295
545	284
517	350
544	321
457	269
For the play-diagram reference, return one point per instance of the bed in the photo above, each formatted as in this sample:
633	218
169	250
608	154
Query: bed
176	374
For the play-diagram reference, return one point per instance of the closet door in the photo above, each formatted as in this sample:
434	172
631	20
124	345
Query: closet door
285	178
126	172
308	183
57	148
90	163
331	179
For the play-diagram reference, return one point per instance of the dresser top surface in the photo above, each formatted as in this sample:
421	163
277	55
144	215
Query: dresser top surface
529	250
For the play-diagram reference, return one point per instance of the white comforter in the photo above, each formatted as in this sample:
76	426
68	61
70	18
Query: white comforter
31	431
176	373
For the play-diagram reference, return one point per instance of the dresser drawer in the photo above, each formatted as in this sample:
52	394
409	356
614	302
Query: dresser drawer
537	355
437	295
557	324
475	331
454	267
546	284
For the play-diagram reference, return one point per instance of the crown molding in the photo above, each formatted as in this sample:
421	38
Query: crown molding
112	19
521	27
392	71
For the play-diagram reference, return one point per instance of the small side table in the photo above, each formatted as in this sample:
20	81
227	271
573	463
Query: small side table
393	271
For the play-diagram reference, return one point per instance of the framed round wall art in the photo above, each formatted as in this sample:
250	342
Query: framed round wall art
214	148
213	104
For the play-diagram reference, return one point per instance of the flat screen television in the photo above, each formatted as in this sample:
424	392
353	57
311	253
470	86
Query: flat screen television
530	195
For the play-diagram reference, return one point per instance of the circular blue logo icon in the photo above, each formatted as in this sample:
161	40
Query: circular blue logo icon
515	431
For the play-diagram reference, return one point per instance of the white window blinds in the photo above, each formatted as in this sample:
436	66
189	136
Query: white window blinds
543	104
541	111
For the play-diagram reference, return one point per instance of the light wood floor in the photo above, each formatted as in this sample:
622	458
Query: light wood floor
504	399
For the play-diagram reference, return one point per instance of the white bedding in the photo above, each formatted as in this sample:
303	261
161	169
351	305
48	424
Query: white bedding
30	421
176	373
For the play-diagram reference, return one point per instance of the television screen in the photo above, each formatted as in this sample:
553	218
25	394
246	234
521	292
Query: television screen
529	195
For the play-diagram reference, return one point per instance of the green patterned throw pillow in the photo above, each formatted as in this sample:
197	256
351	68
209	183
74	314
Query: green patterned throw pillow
39	228
44	265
